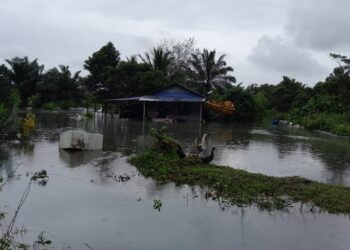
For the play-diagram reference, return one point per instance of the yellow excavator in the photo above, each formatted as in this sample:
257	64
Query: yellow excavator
223	107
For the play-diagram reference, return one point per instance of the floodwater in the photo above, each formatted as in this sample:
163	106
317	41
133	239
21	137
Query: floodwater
85	203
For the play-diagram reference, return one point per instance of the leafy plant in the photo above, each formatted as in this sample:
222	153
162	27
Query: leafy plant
28	125
157	204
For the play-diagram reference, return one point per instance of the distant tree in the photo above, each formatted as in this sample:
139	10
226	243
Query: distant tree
99	66
132	79
285	93
58	84
338	82
5	86
25	75
246	107
181	54
209	72
158	59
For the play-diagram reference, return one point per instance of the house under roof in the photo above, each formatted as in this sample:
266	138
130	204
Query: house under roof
174	101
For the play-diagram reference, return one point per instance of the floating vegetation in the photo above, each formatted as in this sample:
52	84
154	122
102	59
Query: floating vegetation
157	204
123	178
40	175
239	187
41	241
8	238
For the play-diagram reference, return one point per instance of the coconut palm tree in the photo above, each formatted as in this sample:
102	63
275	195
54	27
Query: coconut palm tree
211	74
158	59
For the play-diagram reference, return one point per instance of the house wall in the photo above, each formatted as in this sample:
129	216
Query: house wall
173	110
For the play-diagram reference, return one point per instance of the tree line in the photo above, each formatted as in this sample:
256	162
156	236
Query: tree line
25	82
110	77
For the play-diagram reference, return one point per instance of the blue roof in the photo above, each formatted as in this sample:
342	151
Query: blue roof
171	93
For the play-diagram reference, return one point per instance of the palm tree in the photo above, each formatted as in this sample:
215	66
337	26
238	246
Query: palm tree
158	59
211	74
25	75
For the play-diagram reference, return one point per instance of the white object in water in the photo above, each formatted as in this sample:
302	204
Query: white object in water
76	117
79	139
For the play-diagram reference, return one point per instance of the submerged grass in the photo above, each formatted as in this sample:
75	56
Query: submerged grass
240	187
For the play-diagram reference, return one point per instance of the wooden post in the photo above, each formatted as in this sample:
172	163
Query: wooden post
144	110
105	107
200	112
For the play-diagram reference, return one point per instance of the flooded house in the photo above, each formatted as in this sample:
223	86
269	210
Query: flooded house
174	102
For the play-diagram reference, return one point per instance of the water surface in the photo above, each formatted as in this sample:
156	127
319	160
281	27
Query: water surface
84	200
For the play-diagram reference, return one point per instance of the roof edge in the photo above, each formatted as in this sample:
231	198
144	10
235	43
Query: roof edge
177	84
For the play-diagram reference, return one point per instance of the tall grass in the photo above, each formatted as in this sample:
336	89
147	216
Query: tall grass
338	124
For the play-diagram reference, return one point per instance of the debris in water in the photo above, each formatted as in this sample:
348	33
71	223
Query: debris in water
40	175
157	204
123	178
80	140
42	182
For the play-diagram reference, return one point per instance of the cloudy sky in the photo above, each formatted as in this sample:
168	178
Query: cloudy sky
263	39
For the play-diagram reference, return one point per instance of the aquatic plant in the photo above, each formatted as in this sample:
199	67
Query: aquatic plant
157	204
8	239
239	187
41	241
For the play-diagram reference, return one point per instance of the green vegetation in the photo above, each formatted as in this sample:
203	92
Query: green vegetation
157	204
338	124
89	115
28	126
324	106
238	187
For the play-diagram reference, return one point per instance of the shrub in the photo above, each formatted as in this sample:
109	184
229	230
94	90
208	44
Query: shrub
89	115
28	125
341	129
50	106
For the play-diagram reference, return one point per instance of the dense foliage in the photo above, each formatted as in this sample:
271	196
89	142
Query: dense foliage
24	82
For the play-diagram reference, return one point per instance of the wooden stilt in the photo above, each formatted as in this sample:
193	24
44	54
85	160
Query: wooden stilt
144	110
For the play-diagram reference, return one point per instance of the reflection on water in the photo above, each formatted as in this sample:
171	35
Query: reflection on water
261	148
83	201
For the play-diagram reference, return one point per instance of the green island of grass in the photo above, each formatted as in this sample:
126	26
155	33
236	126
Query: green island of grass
239	187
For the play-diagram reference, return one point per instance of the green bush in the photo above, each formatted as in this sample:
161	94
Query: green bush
50	106
67	104
334	123
3	114
341	129
89	114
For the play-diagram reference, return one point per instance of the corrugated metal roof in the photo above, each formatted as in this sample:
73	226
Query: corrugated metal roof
171	93
170	99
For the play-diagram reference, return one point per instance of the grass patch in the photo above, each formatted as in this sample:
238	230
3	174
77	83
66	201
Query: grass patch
338	124
51	106
240	187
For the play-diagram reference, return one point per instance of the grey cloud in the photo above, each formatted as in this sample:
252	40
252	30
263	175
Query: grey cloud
321	25
60	38
278	55
67	32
